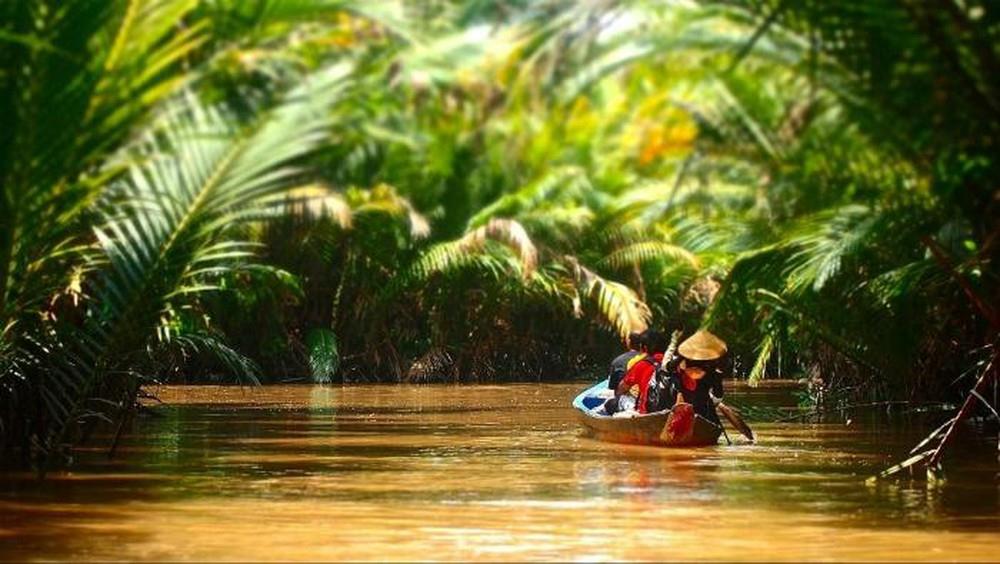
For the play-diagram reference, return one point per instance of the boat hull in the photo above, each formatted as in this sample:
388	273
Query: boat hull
640	429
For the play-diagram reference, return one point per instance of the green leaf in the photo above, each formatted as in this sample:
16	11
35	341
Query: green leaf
324	358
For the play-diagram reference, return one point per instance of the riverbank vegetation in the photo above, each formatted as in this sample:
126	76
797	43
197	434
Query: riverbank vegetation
343	191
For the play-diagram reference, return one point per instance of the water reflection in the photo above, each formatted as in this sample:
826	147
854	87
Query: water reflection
490	472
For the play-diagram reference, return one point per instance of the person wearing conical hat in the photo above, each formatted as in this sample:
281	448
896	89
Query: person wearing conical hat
702	346
697	378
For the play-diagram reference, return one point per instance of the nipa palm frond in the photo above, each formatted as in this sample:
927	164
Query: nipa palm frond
562	183
617	303
510	233
470	249
384	198
200	176
822	244
313	202
644	251
87	74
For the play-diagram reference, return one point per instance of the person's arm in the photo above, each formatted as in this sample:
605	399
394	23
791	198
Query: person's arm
614	376
674	387
622	387
716	391
625	384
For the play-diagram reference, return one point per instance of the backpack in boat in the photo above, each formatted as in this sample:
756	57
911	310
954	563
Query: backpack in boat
661	395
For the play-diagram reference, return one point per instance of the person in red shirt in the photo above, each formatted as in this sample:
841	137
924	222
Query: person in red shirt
636	381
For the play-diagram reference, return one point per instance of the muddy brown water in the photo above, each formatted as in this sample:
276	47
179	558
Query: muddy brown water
487	472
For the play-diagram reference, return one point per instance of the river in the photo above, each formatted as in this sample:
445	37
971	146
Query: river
486	472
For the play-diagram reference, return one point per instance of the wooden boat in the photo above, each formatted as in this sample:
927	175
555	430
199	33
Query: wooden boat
642	429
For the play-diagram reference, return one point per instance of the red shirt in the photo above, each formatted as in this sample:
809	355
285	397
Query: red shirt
640	374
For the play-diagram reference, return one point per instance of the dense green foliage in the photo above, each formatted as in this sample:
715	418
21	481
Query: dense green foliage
371	190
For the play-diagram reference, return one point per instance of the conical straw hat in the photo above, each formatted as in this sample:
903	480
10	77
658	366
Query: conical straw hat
702	346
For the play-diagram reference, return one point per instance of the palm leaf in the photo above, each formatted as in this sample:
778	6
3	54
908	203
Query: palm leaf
384	198
324	358
204	175
764	351
313	202
508	232
560	184
641	252
618	304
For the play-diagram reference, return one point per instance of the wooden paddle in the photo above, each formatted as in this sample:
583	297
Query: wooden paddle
736	421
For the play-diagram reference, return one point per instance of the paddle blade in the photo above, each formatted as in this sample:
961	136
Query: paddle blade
680	424
736	421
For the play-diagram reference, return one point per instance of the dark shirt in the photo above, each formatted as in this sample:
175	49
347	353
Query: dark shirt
619	366
699	397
